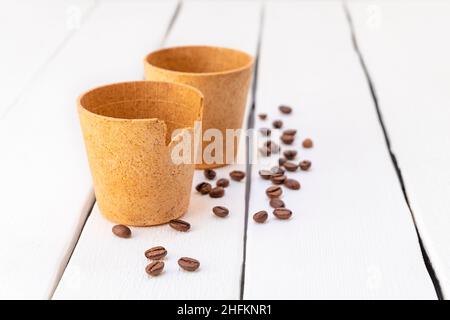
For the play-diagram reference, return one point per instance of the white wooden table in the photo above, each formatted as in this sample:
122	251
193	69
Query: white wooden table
369	82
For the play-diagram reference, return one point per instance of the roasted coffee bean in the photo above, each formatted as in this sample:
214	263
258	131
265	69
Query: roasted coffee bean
260	216
278	178
276	170
265	131
290	166
156	253
274	148
217	192
155	268
274	191
265	174
307	143
281	161
237	175
286	139
121	231
179	225
265	151
290	132
220	211
209	174
188	264
285	109
262	116
276	203
282	213
292	184
277	124
290	154
203	187
305	165
223	183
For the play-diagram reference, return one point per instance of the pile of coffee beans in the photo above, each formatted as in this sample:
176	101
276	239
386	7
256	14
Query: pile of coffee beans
156	266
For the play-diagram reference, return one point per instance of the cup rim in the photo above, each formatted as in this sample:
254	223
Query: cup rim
200	74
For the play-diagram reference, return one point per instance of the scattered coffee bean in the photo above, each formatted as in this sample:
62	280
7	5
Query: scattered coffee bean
278	178
220	211
209	174
188	264
217	192
305	165
286	139
265	151
223	183
265	131
285	109
276	203
155	268
237	175
276	170
290	166
292	184
260	216
274	148
281	161
121	231
274	191
179	225
265	174
262	116
277	124
290	154
156	253
307	143
203	187
282	213
290	132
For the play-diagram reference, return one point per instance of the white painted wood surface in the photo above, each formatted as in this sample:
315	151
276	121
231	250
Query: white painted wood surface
104	266
31	32
351	234
43	165
405	48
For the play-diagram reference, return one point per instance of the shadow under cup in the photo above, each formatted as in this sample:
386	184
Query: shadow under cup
223	76
127	129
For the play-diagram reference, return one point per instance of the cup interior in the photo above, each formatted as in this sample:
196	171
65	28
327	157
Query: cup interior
200	59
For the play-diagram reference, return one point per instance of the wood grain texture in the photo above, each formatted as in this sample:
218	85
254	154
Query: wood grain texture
407	57
351	234
43	167
104	266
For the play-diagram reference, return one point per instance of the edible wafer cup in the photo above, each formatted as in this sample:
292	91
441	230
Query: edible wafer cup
222	75
131	131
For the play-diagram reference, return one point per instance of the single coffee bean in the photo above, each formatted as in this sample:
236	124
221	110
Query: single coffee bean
155	268
237	175
290	154
274	191
305	165
290	132
276	170
276	203
209	174
121	231
265	151
285	109
156	253
188	264
287	139
281	161
217	192
265	131
223	183
262	116
260	216
203	187
282	213
220	211
265	174
292	184
277	124
274	148
179	225
307	143
290	166
278	178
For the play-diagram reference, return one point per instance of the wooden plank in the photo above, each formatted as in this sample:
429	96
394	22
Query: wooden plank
351	234
31	32
407	58
43	166
104	266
